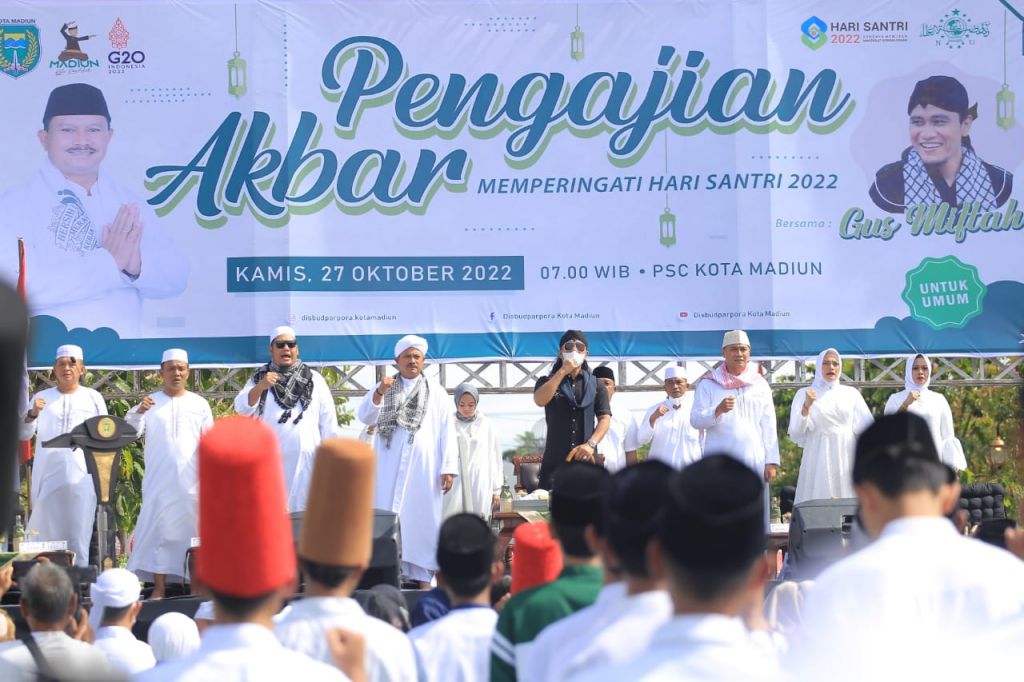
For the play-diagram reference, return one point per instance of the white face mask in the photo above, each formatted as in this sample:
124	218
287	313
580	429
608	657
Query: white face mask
574	356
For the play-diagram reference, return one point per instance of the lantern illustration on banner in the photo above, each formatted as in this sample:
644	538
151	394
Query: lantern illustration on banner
237	81
1005	99
576	38
667	220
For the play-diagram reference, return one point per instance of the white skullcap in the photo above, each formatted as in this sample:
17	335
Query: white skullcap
673	371
173	635
174	354
736	336
70	351
411	341
115	588
205	611
283	330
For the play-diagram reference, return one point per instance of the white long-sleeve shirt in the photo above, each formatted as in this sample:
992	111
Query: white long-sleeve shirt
748	432
298	442
673	440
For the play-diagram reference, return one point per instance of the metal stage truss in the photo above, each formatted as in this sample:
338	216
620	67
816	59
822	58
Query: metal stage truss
519	376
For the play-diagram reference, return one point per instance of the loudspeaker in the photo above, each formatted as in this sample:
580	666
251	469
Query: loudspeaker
386	560
820	534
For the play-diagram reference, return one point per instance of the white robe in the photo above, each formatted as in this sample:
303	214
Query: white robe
827	435
409	474
170	487
904	606
934	409
620	439
389	654
241	652
127	654
480	475
63	496
298	442
695	648
62	226
457	646
673	439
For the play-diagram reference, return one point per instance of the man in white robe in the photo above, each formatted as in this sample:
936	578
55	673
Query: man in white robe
295	401
101	246
457	646
709	549
907	605
733	405
618	447
666	426
115	608
631	606
334	552
172	421
63	496
417	459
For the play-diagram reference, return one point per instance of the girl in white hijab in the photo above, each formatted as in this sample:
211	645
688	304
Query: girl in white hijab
825	420
916	397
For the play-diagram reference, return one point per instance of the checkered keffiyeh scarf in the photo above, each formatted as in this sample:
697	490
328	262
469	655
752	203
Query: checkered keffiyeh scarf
406	412
295	385
972	182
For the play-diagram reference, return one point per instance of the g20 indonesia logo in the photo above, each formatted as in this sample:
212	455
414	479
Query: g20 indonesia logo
813	33
19	48
956	30
120	58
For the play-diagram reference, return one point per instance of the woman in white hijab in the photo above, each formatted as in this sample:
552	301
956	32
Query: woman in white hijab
825	420
173	635
916	397
476	488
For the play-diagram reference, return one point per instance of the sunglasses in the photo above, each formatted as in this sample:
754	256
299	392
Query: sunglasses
285	344
574	345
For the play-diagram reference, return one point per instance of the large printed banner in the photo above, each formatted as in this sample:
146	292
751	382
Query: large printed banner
833	173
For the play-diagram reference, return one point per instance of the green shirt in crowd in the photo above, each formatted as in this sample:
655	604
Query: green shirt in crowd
530	611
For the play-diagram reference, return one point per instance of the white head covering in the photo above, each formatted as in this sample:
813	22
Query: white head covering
283	330
173	635
174	354
673	371
205	611
734	337
411	341
69	350
908	374
819	384
115	588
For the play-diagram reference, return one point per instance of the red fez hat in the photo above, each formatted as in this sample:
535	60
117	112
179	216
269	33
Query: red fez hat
244	529
537	558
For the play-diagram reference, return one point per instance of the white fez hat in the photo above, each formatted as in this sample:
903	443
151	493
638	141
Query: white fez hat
673	371
283	330
174	354
736	337
70	351
411	341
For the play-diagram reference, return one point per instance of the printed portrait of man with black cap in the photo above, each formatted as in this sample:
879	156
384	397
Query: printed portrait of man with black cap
940	165
94	249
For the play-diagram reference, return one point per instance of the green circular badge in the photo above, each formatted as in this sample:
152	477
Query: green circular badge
944	292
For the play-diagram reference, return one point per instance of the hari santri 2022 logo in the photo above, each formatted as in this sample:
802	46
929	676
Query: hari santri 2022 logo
19	47
813	33
956	30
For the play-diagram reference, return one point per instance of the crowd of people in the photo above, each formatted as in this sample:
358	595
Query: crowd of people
650	567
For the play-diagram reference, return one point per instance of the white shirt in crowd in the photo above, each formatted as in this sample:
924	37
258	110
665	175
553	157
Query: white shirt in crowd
457	646
389	654
125	653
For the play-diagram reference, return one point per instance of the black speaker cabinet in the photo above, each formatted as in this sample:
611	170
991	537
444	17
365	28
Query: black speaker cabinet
386	560
819	534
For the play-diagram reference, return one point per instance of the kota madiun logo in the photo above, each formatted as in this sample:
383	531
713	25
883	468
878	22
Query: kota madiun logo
813	33
19	48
